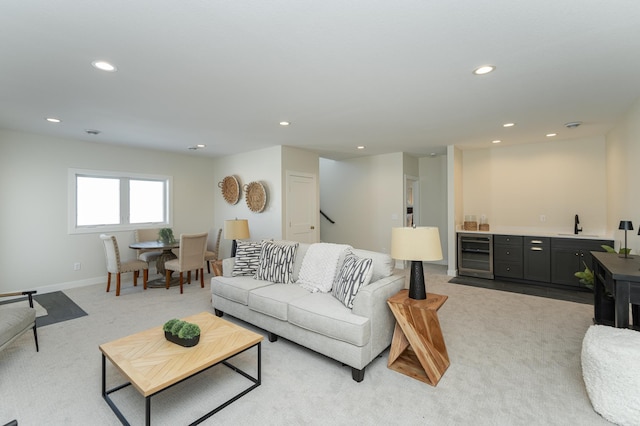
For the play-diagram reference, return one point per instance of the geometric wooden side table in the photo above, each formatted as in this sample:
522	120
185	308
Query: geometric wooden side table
418	349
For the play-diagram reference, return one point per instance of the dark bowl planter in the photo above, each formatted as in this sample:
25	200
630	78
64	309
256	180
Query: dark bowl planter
187	343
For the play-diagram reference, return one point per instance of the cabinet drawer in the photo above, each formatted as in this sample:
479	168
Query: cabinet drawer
537	241
508	269
507	239
508	253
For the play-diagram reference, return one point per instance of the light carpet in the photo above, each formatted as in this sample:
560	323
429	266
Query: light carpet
515	360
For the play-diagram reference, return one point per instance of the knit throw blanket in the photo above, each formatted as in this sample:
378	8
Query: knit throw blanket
319	266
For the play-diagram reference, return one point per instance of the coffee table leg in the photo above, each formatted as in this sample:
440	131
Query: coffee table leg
104	377
147	414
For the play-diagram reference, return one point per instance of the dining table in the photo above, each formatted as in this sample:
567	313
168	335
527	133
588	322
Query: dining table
167	254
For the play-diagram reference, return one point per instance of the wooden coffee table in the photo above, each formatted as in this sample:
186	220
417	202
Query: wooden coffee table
153	364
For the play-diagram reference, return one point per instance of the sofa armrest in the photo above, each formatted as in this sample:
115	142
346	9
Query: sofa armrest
371	302
227	266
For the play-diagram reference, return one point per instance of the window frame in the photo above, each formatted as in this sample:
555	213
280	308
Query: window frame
124	224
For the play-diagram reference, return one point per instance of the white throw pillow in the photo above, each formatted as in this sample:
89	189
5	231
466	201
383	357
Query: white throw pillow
355	273
276	262
247	258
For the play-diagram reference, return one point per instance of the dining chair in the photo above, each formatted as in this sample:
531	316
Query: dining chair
17	320
212	255
147	255
116	266
190	257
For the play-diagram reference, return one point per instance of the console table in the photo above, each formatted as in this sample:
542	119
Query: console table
620	277
418	349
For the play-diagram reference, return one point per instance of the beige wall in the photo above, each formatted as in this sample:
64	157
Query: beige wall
364	197
262	166
623	158
433	197
36	252
515	185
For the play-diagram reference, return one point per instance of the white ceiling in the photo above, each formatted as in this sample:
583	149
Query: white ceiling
390	75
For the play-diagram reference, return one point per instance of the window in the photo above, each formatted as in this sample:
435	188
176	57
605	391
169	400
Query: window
102	201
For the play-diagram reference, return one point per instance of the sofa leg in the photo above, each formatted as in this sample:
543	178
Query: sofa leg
272	337
218	312
357	375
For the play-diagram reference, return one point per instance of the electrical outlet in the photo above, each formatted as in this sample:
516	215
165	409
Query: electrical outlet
543	218
77	266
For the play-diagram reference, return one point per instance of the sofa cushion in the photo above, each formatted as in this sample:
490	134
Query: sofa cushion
273	300
324	314
355	273
382	263
320	265
247	258
276	262
236	289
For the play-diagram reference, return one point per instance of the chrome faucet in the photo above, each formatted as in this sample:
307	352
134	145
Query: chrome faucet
576	229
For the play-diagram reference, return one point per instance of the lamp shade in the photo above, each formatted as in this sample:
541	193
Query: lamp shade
626	225
419	243
236	229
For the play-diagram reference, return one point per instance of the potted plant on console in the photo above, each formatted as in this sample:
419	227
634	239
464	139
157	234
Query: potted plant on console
181	332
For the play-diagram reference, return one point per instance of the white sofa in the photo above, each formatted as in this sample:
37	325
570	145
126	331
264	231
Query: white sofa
316	320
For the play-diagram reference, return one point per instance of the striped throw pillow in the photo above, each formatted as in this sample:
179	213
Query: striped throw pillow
247	258
355	273
276	262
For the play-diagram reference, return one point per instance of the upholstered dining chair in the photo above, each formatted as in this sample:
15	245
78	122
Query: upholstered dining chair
190	258
147	235
16	320
212	255
116	266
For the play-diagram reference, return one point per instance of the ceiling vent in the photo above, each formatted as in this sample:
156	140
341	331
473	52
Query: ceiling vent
572	124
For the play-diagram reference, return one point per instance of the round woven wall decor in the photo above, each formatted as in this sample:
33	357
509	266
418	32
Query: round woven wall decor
256	196
230	189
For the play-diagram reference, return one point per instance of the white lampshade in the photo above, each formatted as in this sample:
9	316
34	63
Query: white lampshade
419	243
236	229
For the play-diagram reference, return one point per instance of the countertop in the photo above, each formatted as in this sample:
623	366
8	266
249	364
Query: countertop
533	233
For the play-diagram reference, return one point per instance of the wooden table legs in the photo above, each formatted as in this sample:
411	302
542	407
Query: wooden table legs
418	349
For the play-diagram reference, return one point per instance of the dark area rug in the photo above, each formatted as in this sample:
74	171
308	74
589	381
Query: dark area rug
569	295
59	308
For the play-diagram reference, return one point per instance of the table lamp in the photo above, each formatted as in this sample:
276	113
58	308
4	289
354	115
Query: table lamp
417	244
627	226
236	229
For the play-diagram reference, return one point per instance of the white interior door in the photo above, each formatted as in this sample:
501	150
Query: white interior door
302	207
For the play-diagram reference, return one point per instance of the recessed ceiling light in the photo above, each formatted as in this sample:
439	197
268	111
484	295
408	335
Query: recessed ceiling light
550	135
201	145
104	66
284	123
53	120
496	141
508	124
360	147
485	69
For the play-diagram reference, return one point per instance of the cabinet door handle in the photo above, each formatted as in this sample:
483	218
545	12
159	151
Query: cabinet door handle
536	248
536	242
508	253
577	254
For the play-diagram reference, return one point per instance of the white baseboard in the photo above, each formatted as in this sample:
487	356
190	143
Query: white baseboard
70	284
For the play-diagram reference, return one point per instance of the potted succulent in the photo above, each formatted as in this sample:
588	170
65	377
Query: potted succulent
181	332
166	235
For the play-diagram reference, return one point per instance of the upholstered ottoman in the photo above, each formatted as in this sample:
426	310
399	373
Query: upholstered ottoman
15	321
611	372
